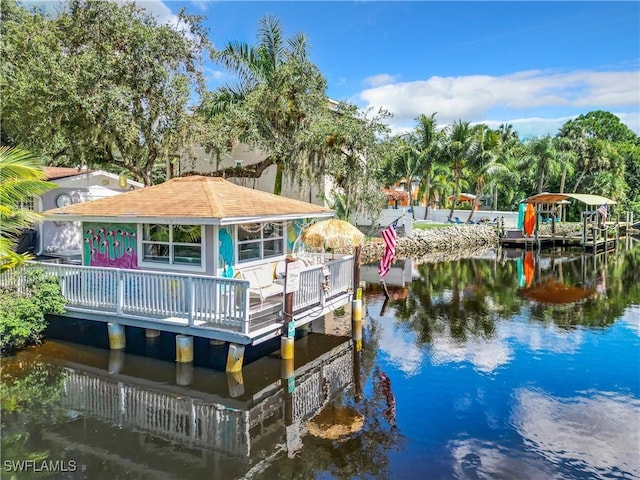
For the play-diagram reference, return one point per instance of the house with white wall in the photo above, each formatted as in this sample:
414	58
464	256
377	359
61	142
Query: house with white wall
73	186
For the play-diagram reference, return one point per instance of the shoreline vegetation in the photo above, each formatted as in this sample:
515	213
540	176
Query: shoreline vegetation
24	299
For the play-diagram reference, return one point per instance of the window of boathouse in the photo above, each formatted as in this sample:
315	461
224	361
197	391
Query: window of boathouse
176	245
258	241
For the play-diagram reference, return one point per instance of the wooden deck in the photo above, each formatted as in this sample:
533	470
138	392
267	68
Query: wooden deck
196	305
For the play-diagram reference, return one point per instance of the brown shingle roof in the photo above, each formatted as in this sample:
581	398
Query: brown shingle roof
195	197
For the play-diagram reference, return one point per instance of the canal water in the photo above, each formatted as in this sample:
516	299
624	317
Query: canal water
503	366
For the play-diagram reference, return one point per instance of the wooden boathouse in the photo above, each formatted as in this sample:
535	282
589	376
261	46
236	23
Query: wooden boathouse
200	256
595	226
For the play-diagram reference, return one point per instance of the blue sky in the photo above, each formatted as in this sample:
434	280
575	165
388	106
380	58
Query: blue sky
532	64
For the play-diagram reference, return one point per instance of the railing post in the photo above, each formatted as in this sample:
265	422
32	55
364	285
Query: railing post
246	320
191	304
119	291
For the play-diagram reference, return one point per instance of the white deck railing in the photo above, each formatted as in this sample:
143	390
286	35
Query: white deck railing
196	300
200	300
316	287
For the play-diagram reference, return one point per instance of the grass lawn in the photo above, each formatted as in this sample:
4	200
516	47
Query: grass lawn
429	226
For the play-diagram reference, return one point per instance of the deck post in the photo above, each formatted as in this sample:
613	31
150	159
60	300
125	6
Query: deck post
184	348
117	340
151	333
119	292
356	268
235	358
191	292
356	323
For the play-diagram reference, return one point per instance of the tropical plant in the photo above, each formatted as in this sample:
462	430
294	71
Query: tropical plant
460	145
21	179
29	295
484	165
278	90
426	138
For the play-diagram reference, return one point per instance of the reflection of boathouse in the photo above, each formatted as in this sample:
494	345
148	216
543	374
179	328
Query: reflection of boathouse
227	420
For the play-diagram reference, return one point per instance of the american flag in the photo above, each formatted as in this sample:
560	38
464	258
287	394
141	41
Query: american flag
602	211
389	236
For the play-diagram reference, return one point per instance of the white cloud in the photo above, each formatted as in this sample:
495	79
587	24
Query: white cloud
201	4
599	432
486	355
380	80
483	459
474	98
631	319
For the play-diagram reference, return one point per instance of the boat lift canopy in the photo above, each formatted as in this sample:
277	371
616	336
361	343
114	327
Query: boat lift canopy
588	199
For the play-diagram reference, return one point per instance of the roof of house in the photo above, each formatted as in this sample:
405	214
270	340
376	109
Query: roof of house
62	172
195	199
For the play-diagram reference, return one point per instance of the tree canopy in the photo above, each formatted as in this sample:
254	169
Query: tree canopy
100	83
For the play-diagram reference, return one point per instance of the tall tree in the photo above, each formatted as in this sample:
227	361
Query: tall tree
427	140
484	165
542	160
101	83
21	178
460	145
278	90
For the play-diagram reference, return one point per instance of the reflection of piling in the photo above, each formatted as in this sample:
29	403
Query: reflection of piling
357	378
184	373
116	360
288	386
235	382
117	340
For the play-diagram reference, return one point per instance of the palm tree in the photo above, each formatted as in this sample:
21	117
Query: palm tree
262	66
484	164
426	139
459	147
544	158
21	178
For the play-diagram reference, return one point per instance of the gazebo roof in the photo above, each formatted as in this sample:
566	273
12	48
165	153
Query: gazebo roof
196	200
395	195
587	199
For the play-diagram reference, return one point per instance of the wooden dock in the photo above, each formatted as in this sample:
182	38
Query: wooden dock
542	242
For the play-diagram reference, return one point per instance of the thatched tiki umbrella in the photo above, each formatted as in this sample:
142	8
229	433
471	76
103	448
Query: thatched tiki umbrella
332	233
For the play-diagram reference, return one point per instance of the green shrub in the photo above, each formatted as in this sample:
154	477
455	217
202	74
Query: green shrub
23	306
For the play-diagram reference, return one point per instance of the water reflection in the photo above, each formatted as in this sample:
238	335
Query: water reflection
460	376
456	308
118	410
597	433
